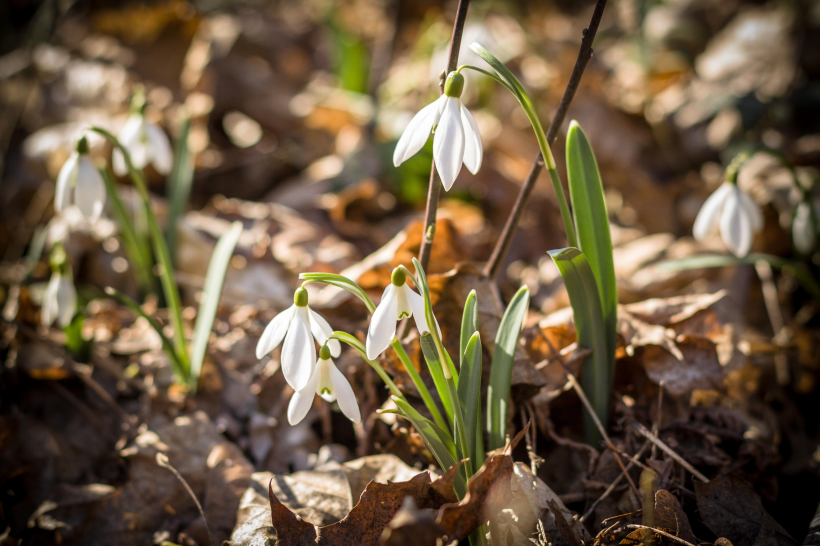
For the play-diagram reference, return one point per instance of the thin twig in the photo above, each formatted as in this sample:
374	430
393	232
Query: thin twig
614	484
665	448
162	460
658	531
435	184
781	361
656	426
584	55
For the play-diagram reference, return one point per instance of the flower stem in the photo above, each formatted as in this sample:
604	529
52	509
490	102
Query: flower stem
584	55
434	189
419	383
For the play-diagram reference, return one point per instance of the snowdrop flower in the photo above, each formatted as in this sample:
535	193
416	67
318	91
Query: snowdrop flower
329	383
145	141
804	227
737	214
456	139
60	301
398	302
298	325
80	183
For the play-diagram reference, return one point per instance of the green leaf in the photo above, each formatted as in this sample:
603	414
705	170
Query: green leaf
705	261
469	396
592	226
469	324
179	370
591	330
178	186
498	392
139	257
437	441
421	283
214	279
77	345
434	364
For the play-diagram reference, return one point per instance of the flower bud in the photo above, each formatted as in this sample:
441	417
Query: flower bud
300	298
454	85
399	277
324	353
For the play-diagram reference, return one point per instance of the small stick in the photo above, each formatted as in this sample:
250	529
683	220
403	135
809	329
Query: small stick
665	448
781	362
614	484
657	426
614	448
162	460
663	533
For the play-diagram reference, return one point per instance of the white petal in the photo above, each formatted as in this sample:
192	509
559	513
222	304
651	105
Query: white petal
129	134
473	151
298	352
403	309
448	144
735	228
66	301
50	307
417	132
752	211
321	331
65	182
275	332
710	211
382	324
417	303
324	387
344	394
160	152
302	400
89	190
803	231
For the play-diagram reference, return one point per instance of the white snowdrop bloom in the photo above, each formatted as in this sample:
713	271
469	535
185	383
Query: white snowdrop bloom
456	139
398	301
804	227
738	216
298	325
80	183
59	301
329	383
146	144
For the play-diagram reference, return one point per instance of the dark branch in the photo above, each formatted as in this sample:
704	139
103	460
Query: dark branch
584	55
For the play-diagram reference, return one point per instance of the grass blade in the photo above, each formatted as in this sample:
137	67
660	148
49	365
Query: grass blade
591	330
179	369
469	324
210	298
137	256
434	364
178	186
586	194
469	396
498	392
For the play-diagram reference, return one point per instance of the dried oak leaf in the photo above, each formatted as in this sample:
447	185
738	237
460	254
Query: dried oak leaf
730	508
668	516
411	526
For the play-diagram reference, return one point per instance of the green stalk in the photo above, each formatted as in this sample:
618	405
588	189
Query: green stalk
419	383
163	256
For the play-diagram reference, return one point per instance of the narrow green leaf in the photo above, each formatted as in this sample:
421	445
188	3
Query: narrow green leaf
434	364
706	261
178	186
421	284
591	331
179	370
437	441
138	256
498	391
469	324
592	226
469	396
214	279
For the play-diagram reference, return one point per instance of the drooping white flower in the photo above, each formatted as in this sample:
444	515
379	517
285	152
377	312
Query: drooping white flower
80	183
146	144
737	214
329	383
804	227
398	301
298	325
456	139
59	301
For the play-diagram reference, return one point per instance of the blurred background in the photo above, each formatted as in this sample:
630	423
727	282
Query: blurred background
295	109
